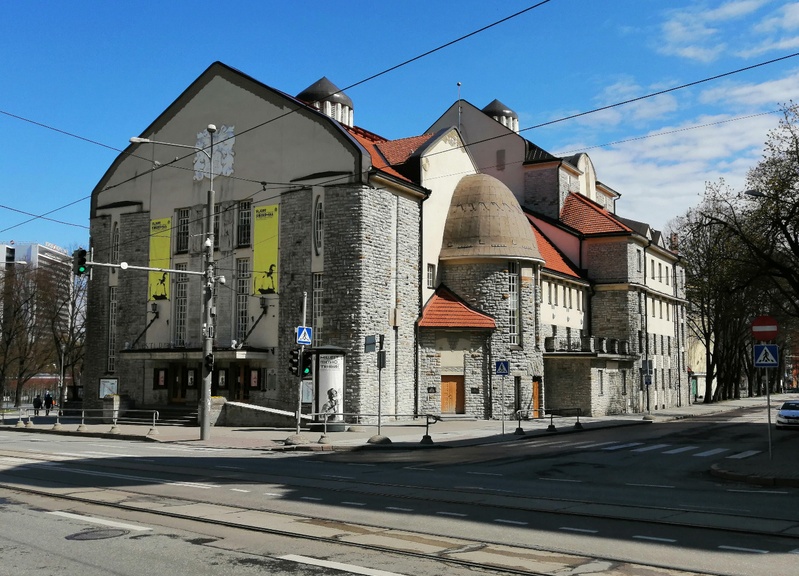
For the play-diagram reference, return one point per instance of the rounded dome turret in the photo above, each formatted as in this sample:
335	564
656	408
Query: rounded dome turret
329	99
486	221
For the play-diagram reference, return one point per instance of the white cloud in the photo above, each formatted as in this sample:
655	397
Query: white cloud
773	93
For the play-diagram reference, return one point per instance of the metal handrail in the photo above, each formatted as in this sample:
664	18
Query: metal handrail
429	419
86	413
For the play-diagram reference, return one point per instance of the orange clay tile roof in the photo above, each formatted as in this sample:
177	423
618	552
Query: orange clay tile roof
588	217
398	151
446	310
553	259
370	141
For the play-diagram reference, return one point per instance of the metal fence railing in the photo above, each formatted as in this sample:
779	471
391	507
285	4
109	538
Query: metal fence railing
93	416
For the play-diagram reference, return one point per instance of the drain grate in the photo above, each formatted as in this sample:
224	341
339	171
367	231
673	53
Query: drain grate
99	534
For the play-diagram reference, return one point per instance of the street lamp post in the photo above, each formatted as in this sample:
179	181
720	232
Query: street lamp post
208	283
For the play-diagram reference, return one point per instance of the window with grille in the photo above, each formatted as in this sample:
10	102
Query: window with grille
242	296
244	226
181	305
318	224
513	302
182	239
112	328
431	275
316	302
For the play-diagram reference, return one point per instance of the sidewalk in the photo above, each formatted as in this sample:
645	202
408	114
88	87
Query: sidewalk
781	468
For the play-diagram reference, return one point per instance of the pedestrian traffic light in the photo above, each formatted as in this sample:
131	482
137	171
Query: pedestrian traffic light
294	362
307	363
209	362
79	265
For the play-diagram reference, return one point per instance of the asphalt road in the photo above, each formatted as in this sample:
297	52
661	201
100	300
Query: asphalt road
638	495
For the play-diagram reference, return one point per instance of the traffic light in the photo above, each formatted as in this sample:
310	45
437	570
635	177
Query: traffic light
294	362
307	363
209	362
79	265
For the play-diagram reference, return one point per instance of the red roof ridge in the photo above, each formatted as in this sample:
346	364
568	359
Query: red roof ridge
445	309
599	221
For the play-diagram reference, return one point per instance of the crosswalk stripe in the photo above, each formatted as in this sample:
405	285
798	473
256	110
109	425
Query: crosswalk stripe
681	449
742	455
623	446
712	452
653	447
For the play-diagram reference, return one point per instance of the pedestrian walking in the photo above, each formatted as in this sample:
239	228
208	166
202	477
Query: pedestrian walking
48	404
37	404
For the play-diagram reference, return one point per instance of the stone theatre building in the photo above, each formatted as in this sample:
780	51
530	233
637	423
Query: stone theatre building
462	247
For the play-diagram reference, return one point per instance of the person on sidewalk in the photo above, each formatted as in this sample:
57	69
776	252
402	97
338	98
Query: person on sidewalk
37	404
48	404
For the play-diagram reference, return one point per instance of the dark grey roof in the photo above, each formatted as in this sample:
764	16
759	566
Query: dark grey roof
497	108
323	90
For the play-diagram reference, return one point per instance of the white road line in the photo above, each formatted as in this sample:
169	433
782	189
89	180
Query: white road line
742	455
398	509
653	539
272	494
561	480
347	568
456	514
484	473
338	477
359	464
681	449
595	444
514	522
417	468
93	520
794	551
353	503
739	549
712	452
310	498
131	477
239	490
757	491
652	447
622	446
581	530
229	468
649	485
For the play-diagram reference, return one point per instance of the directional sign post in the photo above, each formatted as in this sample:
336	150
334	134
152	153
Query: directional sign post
764	328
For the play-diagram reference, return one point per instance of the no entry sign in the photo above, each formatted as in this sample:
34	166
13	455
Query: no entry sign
764	328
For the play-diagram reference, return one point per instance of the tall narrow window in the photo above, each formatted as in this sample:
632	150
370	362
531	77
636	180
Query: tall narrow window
242	297
431	275
181	305
244	227
115	244
317	309
318	225
638	255
513	302
182	240
112	328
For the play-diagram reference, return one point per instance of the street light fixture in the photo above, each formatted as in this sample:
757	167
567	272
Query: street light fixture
210	279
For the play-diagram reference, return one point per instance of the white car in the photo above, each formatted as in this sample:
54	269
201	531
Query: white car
788	416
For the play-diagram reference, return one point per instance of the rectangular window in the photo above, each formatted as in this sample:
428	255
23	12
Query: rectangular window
555	303
624	382
601	382
549	293
668	276
182	232
570	297
638	257
661	308
652	262
660	272
112	328
181	305
513	302
316	303
431	275
242	297
244	227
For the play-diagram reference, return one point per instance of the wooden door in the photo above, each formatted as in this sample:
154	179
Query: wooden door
453	395
536	399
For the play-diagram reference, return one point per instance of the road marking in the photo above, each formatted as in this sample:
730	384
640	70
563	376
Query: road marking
514	522
347	568
746	454
649	485
594	445
712	452
315	499
561	480
653	447
794	551
338	477
354	503
272	494
358	464
622	446
417	468
398	509
581	530
100	521
456	514
484	473
229	468
739	549
681	450
239	490
757	491
653	539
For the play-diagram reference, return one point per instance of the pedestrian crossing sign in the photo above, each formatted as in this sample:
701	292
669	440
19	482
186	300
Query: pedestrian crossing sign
766	355
304	335
502	368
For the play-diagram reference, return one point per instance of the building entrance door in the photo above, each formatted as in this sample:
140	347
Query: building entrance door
177	385
453	395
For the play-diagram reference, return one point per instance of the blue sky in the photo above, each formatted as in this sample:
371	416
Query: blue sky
98	72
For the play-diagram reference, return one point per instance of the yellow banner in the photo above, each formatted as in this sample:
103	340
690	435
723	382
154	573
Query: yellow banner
160	251
264	252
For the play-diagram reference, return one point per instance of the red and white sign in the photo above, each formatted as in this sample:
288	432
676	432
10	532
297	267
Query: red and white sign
764	328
